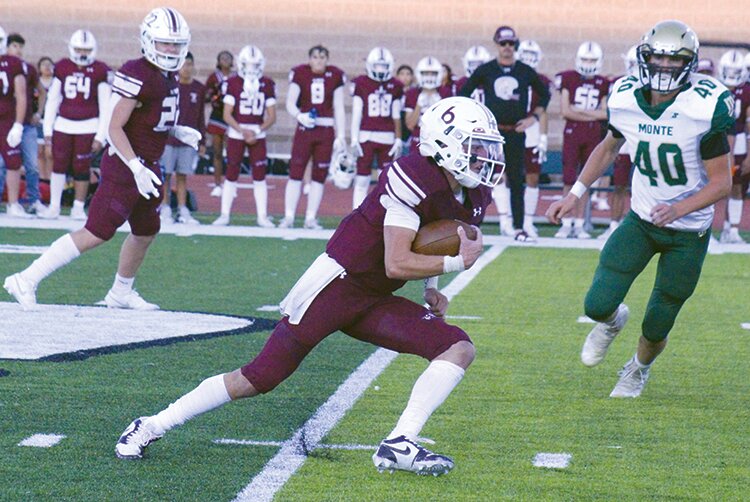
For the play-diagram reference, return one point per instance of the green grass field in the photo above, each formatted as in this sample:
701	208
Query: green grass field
685	438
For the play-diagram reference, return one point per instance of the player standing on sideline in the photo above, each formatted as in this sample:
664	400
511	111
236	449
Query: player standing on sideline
178	157
350	287
474	57
733	74
144	109
316	99
12	113
75	124
249	110
530	52
583	104
507	86
429	75
376	119
676	122
216	85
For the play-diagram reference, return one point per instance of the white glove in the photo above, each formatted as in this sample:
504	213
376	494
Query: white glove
541	148
14	135
395	150
356	148
339	144
145	179
306	120
187	135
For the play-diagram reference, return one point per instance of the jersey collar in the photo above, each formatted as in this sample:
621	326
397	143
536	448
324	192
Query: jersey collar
655	111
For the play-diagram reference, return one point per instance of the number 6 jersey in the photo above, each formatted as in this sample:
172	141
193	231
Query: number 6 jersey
670	141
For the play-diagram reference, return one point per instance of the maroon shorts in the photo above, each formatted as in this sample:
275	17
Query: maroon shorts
256	153
370	151
117	200
532	161
578	143
216	127
623	168
11	156
316	143
72	150
387	321
737	178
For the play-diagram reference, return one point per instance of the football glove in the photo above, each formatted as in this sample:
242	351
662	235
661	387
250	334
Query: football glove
339	144
541	148
187	135
145	179
306	120
356	148
395	151
14	135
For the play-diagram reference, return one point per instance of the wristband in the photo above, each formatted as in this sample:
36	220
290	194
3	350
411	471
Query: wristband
431	283
578	189
453	264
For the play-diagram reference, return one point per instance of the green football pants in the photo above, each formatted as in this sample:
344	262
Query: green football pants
626	254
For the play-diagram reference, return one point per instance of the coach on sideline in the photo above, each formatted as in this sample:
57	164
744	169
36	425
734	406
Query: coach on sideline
506	84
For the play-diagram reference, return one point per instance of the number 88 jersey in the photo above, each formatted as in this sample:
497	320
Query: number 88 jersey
79	87
378	100
670	141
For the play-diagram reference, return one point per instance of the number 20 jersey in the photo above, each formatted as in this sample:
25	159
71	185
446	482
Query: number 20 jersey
666	142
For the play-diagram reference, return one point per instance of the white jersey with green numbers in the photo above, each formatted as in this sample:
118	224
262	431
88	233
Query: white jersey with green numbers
666	140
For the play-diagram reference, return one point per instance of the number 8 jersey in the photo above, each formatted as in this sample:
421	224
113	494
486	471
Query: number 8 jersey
669	142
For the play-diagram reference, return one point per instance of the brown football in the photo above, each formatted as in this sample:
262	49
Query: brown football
441	238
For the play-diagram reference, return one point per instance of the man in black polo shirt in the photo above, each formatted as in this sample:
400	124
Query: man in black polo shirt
506	83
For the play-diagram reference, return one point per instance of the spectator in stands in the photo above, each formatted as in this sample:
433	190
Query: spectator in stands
405	74
46	68
178	157
217	128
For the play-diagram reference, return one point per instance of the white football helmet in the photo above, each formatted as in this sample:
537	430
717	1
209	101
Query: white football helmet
530	53
631	61
747	66
250	66
343	168
732	71
589	59
669	38
458	132
82	39
3	41
379	64
476	56
429	73
165	25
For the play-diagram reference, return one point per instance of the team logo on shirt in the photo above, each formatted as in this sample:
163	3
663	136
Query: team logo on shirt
506	87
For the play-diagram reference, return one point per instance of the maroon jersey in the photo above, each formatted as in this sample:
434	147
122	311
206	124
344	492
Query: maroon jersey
192	114
316	89
377	99
250	109
418	183
158	95
412	96
216	87
741	102
535	98
80	88
10	66
583	93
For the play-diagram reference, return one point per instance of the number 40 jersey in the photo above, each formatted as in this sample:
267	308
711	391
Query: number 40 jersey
669	142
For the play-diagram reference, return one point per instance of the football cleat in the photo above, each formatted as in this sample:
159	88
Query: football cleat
216	192
77	213
731	236
186	218
134	440
404	454
286	223
632	380
580	233
600	337
531	230
51	213
564	232
313	225
266	223
22	290
16	210
165	215
37	207
506	229
221	221
130	300
523	236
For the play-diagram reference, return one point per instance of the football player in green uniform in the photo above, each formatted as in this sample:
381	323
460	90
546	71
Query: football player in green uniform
676	122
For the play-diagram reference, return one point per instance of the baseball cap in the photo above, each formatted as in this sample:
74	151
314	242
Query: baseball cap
505	33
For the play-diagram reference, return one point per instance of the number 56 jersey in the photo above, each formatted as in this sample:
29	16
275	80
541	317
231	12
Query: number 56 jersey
670	141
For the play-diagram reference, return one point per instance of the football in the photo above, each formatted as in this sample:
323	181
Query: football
441	238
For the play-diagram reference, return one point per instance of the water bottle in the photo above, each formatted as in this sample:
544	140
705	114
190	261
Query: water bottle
313	114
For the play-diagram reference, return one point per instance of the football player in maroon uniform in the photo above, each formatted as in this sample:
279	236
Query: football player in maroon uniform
733	74
376	119
13	103
217	128
429	74
584	106
350	287
249	110
316	100
74	122
144	109
474	57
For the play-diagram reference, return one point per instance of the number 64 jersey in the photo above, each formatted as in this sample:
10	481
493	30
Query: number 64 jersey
669	142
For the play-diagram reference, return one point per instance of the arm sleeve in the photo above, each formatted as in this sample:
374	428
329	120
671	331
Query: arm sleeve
54	98
104	93
357	106
339	115
399	215
292	96
396	113
715	142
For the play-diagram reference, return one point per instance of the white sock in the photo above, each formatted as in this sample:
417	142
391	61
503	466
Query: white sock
528	220
291	198
578	223
122	284
228	192
59	254
313	200
640	364
210	394
78	204
501	196
734	210
567	222
430	390
260	191
530	200
56	186
361	184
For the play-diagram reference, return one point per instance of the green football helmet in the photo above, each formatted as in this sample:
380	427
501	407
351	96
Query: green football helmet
668	38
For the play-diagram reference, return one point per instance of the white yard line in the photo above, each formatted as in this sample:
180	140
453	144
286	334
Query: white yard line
294	451
42	440
18	249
